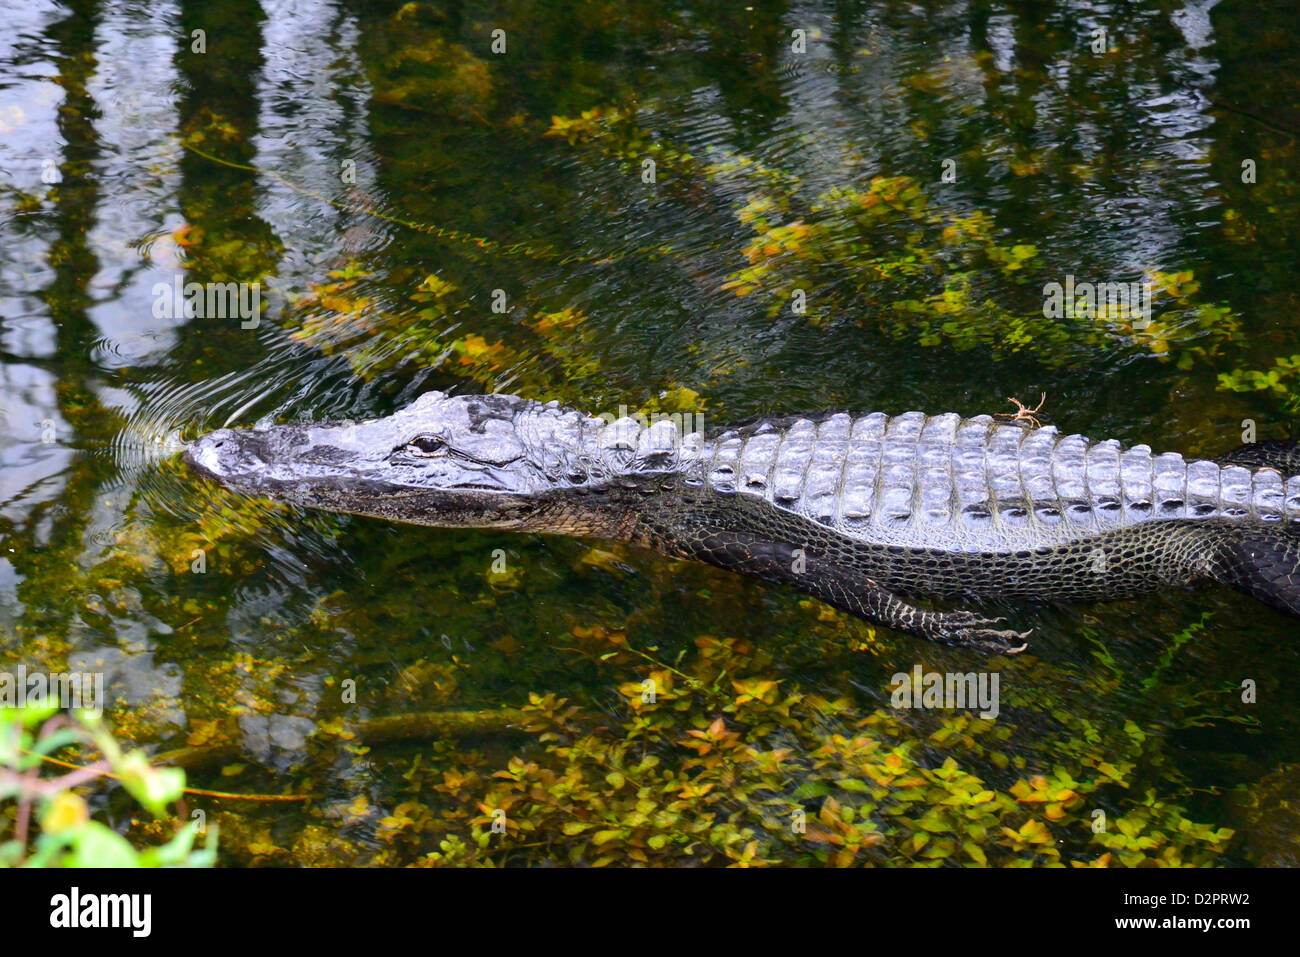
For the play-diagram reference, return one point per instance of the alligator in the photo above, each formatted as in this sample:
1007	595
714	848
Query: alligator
867	513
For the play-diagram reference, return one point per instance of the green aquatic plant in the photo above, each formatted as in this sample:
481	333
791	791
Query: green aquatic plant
427	72
1282	381
717	762
66	833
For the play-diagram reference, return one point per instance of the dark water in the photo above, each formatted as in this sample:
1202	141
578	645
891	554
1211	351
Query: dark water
918	171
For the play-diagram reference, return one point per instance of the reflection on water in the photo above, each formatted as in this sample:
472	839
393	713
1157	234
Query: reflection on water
419	212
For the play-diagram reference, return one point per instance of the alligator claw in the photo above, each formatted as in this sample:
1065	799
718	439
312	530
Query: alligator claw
979	633
997	641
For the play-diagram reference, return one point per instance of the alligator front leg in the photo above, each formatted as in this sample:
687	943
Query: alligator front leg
854	592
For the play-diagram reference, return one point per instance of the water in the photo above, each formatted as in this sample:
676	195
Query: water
423	212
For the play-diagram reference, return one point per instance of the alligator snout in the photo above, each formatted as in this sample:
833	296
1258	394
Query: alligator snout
249	458
223	454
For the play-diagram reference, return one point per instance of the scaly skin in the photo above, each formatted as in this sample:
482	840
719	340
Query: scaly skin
857	511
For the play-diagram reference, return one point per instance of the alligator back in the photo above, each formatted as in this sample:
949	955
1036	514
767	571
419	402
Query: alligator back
977	485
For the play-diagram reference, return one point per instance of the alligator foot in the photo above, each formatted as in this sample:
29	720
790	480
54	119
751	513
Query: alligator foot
968	630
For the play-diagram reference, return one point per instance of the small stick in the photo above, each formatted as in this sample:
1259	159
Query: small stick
1024	414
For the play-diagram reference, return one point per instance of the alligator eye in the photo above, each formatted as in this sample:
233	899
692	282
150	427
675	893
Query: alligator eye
426	446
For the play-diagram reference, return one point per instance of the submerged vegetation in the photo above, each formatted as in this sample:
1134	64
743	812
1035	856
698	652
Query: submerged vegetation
722	763
927	272
715	760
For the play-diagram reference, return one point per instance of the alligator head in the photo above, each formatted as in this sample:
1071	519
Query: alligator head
459	461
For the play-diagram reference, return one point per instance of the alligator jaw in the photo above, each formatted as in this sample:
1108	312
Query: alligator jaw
365	469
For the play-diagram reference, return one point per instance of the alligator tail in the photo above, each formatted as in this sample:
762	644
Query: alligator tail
1264	563
1279	454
